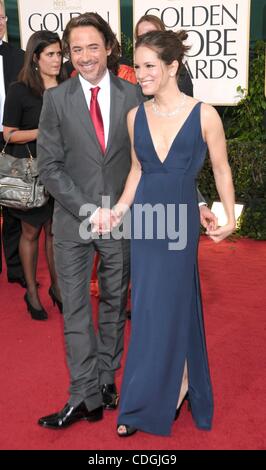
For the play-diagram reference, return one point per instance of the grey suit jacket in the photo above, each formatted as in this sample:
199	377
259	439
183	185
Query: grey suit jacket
70	161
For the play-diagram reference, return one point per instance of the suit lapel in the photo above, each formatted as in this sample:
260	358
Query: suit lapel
116	110
81	110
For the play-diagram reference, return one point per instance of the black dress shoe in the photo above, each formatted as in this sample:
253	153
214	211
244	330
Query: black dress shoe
70	415
19	280
110	396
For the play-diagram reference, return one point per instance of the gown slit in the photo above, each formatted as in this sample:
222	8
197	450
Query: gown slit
185	365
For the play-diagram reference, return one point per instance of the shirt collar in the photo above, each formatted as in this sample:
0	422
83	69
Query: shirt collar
103	83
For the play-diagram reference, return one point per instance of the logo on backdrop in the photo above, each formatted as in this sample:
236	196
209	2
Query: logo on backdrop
218	32
214	41
53	15
67	4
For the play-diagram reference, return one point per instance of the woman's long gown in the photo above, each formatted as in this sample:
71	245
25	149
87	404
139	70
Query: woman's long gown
167	323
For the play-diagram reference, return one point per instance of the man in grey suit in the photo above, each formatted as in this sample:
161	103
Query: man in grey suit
78	165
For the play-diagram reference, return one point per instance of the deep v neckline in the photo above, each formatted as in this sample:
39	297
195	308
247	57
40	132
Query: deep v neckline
173	141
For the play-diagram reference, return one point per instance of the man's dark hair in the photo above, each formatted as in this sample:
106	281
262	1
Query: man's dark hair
110	40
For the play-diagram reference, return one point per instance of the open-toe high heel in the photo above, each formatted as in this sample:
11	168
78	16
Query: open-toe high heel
129	430
55	300
186	398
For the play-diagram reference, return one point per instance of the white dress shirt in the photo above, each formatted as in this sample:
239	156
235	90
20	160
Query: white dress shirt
104	98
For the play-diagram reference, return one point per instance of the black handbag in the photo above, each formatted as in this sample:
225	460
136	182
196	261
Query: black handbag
20	186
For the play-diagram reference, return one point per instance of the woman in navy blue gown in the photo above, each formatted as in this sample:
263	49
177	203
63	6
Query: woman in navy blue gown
167	360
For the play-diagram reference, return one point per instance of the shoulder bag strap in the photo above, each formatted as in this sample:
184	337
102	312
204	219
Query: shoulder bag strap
8	139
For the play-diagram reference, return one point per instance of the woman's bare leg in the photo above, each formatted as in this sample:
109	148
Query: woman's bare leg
184	386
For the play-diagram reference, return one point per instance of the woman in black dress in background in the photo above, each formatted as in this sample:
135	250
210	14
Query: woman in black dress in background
42	69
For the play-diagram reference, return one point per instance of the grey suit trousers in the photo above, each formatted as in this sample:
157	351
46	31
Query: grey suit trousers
92	358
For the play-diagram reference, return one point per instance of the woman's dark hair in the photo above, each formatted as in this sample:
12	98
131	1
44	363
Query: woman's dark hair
155	20
168	45
110	40
30	73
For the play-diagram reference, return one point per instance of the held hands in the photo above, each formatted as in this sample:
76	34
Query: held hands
210	222
207	218
221	232
104	220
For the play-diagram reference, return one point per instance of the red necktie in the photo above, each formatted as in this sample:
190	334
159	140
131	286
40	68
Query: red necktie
96	117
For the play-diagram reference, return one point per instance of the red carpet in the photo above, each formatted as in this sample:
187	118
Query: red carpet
34	377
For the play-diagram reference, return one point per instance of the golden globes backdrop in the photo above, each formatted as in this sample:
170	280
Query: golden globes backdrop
219	35
53	15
